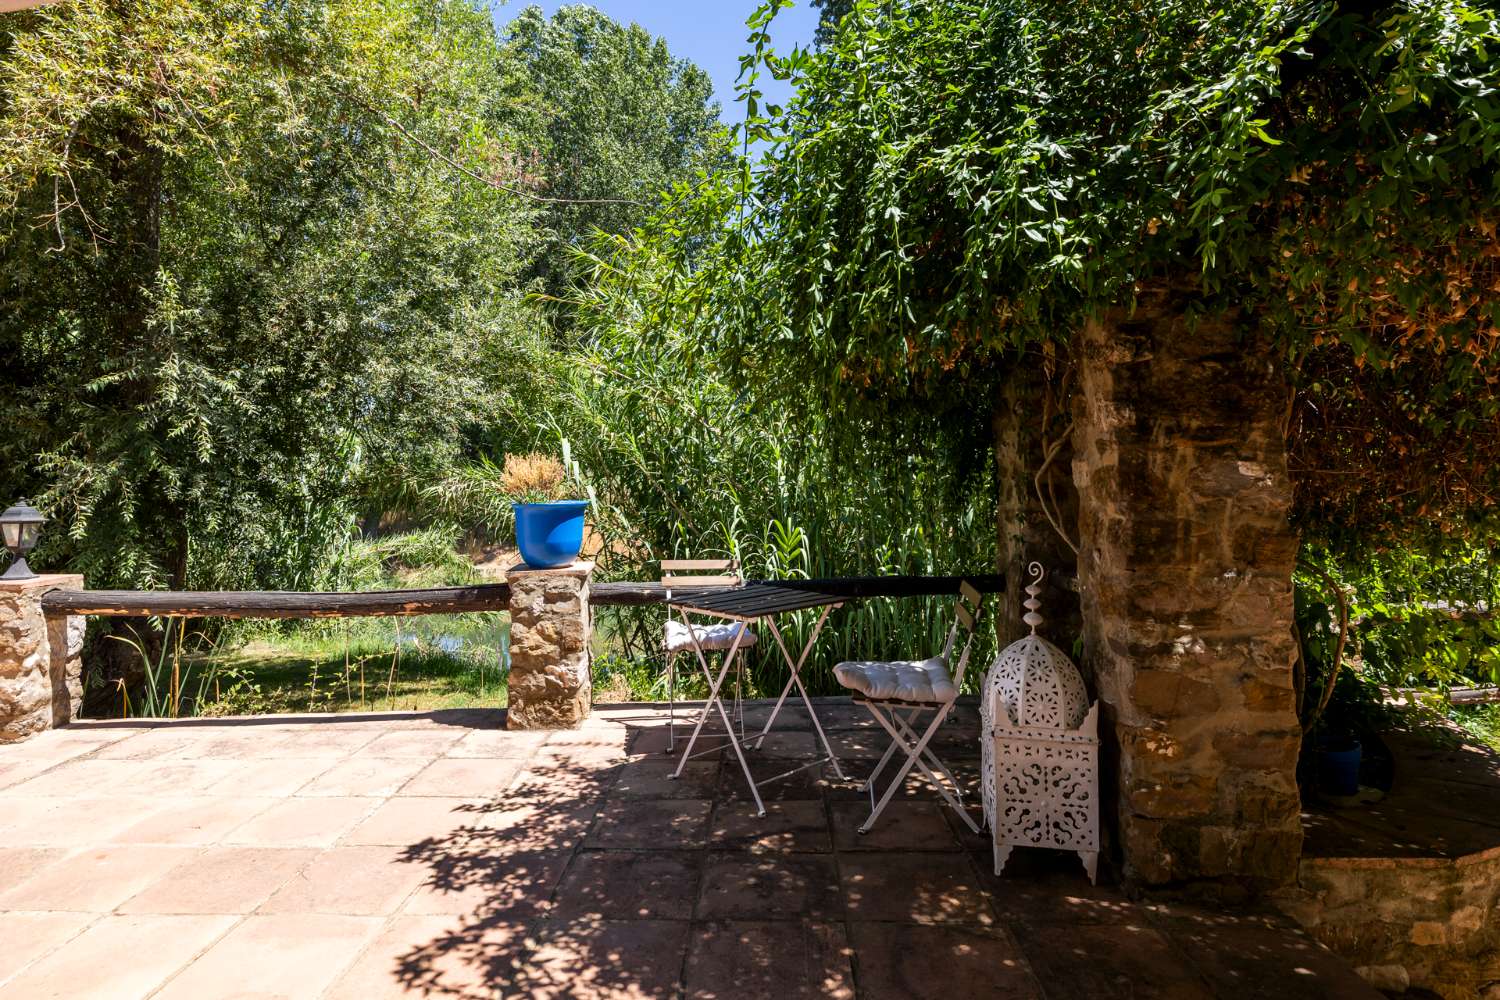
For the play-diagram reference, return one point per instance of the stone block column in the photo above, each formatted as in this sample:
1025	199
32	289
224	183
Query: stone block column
1186	574
550	685
41	665
1025	533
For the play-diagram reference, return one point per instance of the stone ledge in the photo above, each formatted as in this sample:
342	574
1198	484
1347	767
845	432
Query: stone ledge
582	568
1375	864
1406	889
43	581
1492	854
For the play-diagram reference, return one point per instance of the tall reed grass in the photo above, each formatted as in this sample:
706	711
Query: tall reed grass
683	464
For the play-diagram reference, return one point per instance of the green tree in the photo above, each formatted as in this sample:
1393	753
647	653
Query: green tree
830	13
249	255
611	119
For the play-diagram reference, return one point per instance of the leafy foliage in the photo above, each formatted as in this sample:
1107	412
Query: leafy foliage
1425	619
958	178
238	279
266	265
610	118
684	466
830	13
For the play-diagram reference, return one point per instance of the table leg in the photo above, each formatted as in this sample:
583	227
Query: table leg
716	701
775	711
790	681
797	680
713	688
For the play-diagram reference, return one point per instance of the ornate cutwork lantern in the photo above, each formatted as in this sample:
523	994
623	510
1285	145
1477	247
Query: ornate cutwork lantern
1041	748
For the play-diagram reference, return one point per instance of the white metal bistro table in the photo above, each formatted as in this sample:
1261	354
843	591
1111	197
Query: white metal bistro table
756	602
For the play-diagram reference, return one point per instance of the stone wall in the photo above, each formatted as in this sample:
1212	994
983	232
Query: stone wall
1185	572
1025	534
549	647
41	671
1432	923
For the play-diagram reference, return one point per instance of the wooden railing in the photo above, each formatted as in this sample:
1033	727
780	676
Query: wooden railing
436	600
275	603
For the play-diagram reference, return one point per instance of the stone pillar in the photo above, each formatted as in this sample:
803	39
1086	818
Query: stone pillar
41	676
1025	532
550	685
1186	575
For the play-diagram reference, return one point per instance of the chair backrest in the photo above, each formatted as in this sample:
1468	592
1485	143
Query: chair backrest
700	573
965	620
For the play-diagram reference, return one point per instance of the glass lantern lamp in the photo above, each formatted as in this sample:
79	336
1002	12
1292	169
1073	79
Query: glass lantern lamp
20	525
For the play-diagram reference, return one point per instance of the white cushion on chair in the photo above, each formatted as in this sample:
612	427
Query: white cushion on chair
899	680
679	637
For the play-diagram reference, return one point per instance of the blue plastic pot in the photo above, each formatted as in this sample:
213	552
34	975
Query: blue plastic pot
550	534
1338	770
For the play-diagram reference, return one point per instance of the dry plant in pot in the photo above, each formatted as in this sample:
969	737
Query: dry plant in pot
550	505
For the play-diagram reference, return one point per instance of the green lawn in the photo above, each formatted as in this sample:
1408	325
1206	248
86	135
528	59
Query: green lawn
411	664
456	661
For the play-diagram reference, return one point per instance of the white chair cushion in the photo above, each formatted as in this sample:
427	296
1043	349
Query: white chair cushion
899	680
679	637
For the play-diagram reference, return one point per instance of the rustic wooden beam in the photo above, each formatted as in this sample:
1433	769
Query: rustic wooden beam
634	593
1473	696
627	593
437	600
897	586
276	604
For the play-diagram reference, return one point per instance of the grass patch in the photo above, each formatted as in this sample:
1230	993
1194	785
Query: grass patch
1480	721
407	664
443	661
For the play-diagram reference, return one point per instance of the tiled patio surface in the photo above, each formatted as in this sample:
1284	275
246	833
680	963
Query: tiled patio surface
436	854
1445	803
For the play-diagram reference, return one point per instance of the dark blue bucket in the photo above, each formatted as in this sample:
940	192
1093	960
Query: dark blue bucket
550	534
1338	770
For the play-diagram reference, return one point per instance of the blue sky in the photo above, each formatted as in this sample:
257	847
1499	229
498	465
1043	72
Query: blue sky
709	32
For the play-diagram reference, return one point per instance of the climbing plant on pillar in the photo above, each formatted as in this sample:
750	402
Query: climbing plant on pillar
958	179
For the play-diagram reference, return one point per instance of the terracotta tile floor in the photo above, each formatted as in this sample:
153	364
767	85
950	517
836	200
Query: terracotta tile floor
437	855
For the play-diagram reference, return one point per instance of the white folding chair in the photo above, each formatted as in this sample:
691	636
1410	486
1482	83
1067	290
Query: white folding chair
899	692
683	636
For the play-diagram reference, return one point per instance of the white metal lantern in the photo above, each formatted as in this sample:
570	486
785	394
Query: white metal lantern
1041	748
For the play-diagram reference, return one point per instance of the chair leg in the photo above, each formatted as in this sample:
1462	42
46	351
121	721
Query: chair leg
913	755
931	757
671	701
915	752
890	752
953	798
